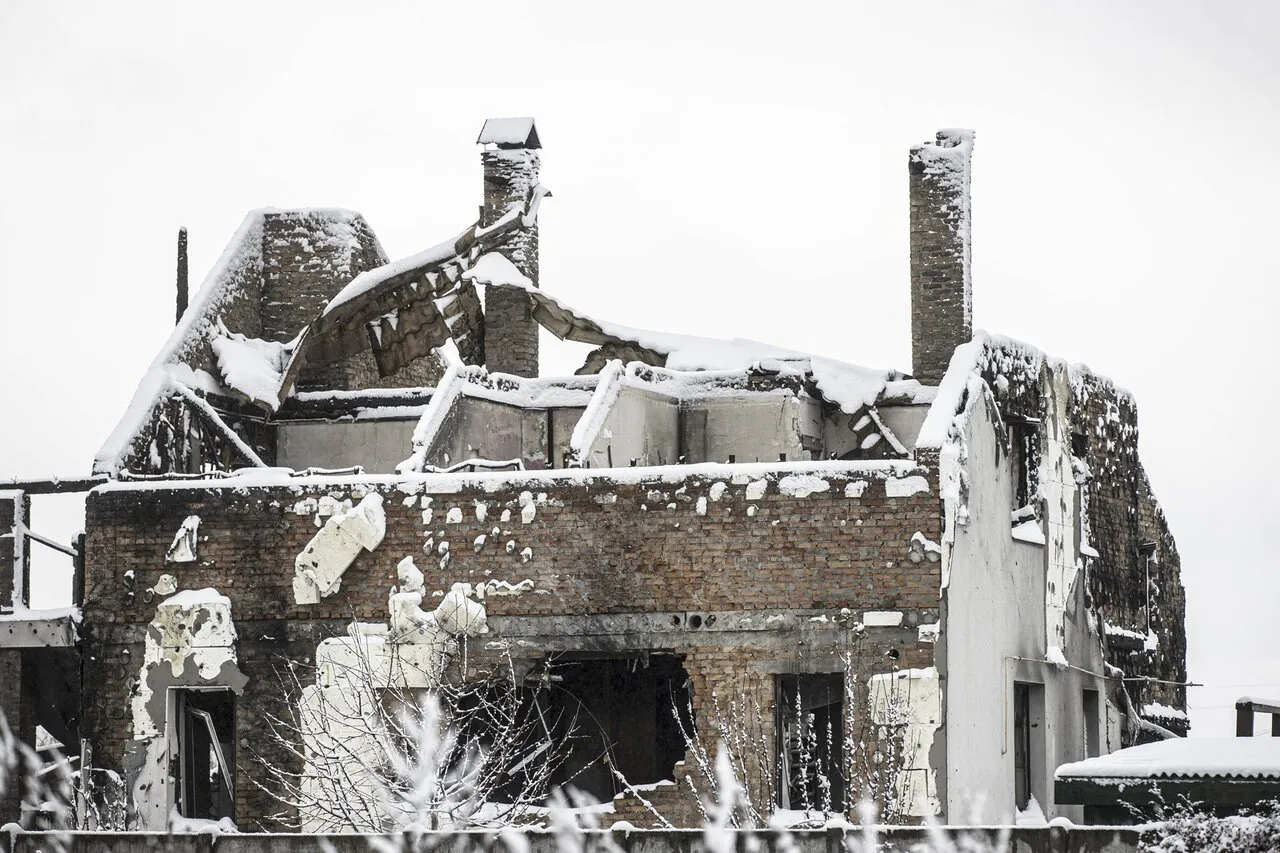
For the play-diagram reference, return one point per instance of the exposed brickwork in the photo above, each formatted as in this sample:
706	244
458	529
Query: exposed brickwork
941	306
8	507
1124	515
308	256
511	333
595	549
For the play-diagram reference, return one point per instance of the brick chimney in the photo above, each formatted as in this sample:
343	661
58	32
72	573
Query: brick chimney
941	293
511	161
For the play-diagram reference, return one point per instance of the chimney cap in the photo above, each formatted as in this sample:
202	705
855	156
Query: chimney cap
509	133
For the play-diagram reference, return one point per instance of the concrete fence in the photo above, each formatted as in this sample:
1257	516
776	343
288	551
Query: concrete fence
1046	839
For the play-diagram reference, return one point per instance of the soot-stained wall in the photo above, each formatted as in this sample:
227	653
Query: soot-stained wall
614	568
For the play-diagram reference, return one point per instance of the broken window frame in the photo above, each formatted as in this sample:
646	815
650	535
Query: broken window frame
812	735
1024	452
188	728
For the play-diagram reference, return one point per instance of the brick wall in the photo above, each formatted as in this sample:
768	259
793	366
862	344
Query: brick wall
308	256
1124	515
941	308
511	334
594	549
9	504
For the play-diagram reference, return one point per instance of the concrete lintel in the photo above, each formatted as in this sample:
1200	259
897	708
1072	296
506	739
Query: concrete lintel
18	633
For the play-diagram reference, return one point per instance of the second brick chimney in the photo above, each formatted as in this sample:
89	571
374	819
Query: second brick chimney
511	163
941	289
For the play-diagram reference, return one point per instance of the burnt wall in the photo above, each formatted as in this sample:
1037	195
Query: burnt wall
1137	573
614	567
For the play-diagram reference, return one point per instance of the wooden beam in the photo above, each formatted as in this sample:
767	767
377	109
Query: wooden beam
54	485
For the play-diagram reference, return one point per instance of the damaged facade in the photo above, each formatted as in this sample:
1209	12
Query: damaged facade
940	584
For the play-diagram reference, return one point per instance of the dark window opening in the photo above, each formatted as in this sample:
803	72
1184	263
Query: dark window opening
618	716
1092	721
810	731
1025	440
1028	744
1021	746
206	776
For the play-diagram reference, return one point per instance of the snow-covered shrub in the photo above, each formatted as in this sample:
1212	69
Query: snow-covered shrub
379	756
1187	829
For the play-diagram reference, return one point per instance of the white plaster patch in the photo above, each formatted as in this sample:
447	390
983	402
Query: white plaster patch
929	633
855	488
482	511
701	507
454	515
882	618
318	569
911	697
193	637
755	489
905	487
717	490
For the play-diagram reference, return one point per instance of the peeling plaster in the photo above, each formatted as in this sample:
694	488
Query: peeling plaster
912	697
191	642
318	569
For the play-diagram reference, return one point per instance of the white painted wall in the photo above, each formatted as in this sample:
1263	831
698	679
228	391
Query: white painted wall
994	633
904	422
640	425
377	446
750	427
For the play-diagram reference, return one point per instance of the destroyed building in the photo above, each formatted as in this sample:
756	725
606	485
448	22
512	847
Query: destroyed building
962	568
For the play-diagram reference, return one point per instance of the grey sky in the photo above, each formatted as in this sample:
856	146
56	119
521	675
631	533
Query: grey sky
724	169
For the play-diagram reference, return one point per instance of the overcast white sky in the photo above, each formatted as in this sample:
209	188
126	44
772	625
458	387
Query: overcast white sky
725	169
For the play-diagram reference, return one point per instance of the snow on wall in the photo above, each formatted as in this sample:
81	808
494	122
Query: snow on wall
185	544
1058	491
318	569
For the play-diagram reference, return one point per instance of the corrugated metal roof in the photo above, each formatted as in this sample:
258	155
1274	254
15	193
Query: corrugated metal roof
1184	758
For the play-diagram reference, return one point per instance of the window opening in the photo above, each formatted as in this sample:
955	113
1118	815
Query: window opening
1091	724
205	721
810	733
1025	439
626	715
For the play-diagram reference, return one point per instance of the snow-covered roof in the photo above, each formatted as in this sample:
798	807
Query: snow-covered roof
1237	757
509	133
848	385
986	351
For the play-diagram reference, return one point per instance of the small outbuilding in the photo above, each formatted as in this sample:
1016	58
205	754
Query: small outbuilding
1222	775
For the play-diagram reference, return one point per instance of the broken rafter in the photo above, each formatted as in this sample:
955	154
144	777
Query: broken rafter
211	417
407	294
